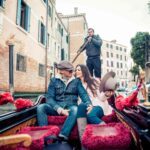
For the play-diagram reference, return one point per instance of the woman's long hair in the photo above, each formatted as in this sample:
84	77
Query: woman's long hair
92	84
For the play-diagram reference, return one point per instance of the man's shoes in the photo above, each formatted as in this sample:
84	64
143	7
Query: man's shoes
62	138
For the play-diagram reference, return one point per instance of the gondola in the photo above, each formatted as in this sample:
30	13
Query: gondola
13	122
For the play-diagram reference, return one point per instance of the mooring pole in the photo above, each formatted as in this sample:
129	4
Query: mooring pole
11	68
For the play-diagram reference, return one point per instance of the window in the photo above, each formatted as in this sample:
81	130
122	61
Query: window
55	46
117	55
42	33
120	57
2	3
107	54
125	50
67	39
41	70
107	63
112	64
120	65
62	32
120	48
62	54
116	47
111	54
23	15
111	46
59	27
48	37
107	45
21	63
58	52
118	73
121	73
117	64
49	11
125	58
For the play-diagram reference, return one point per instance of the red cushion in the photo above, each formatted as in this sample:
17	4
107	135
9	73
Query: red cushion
56	120
110	118
109	136
38	134
59	120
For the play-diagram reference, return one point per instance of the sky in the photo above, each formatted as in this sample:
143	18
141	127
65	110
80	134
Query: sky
112	19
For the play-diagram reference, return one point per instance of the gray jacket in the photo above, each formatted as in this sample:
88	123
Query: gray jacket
93	48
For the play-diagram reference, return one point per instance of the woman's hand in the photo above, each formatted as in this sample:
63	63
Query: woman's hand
89	108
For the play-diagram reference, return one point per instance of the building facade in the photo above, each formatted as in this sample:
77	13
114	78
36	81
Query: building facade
115	58
77	27
31	26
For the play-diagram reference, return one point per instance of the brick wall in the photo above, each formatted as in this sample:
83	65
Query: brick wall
25	44
4	68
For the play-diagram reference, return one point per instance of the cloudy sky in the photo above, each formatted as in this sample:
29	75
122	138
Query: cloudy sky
111	19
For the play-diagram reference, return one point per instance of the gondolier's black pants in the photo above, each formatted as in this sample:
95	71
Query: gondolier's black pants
94	66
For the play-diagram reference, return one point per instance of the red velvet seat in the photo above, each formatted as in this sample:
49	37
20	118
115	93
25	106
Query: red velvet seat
38	134
59	120
110	118
107	137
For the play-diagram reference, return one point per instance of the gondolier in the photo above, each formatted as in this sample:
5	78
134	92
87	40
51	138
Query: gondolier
93	51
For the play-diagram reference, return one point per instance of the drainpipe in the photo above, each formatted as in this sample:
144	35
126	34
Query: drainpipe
46	46
68	40
11	68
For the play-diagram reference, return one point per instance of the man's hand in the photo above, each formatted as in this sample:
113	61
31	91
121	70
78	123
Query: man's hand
65	112
89	108
89	39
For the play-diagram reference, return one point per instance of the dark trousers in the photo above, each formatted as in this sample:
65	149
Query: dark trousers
94	66
95	115
44	110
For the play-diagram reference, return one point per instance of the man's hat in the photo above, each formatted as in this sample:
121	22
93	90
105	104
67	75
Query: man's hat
108	82
65	65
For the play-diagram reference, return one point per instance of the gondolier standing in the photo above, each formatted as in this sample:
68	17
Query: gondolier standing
93	51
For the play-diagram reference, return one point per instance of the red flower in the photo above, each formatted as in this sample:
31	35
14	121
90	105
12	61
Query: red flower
21	103
129	101
119	102
5	98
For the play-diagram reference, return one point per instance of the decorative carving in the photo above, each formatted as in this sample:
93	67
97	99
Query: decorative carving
25	139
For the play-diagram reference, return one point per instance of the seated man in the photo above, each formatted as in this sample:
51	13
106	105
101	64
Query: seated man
62	96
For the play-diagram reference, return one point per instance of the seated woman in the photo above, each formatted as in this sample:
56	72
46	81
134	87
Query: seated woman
98	93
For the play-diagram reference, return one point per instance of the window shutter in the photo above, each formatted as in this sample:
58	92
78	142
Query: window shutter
67	39
27	18
39	30
49	10
62	32
18	15
62	54
2	3
44	35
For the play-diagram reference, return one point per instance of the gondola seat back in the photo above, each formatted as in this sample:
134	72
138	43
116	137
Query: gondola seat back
109	136
59	121
38	134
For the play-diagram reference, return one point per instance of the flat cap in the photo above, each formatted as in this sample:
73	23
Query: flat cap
65	65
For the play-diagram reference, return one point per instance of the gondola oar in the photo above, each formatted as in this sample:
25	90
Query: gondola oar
80	51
